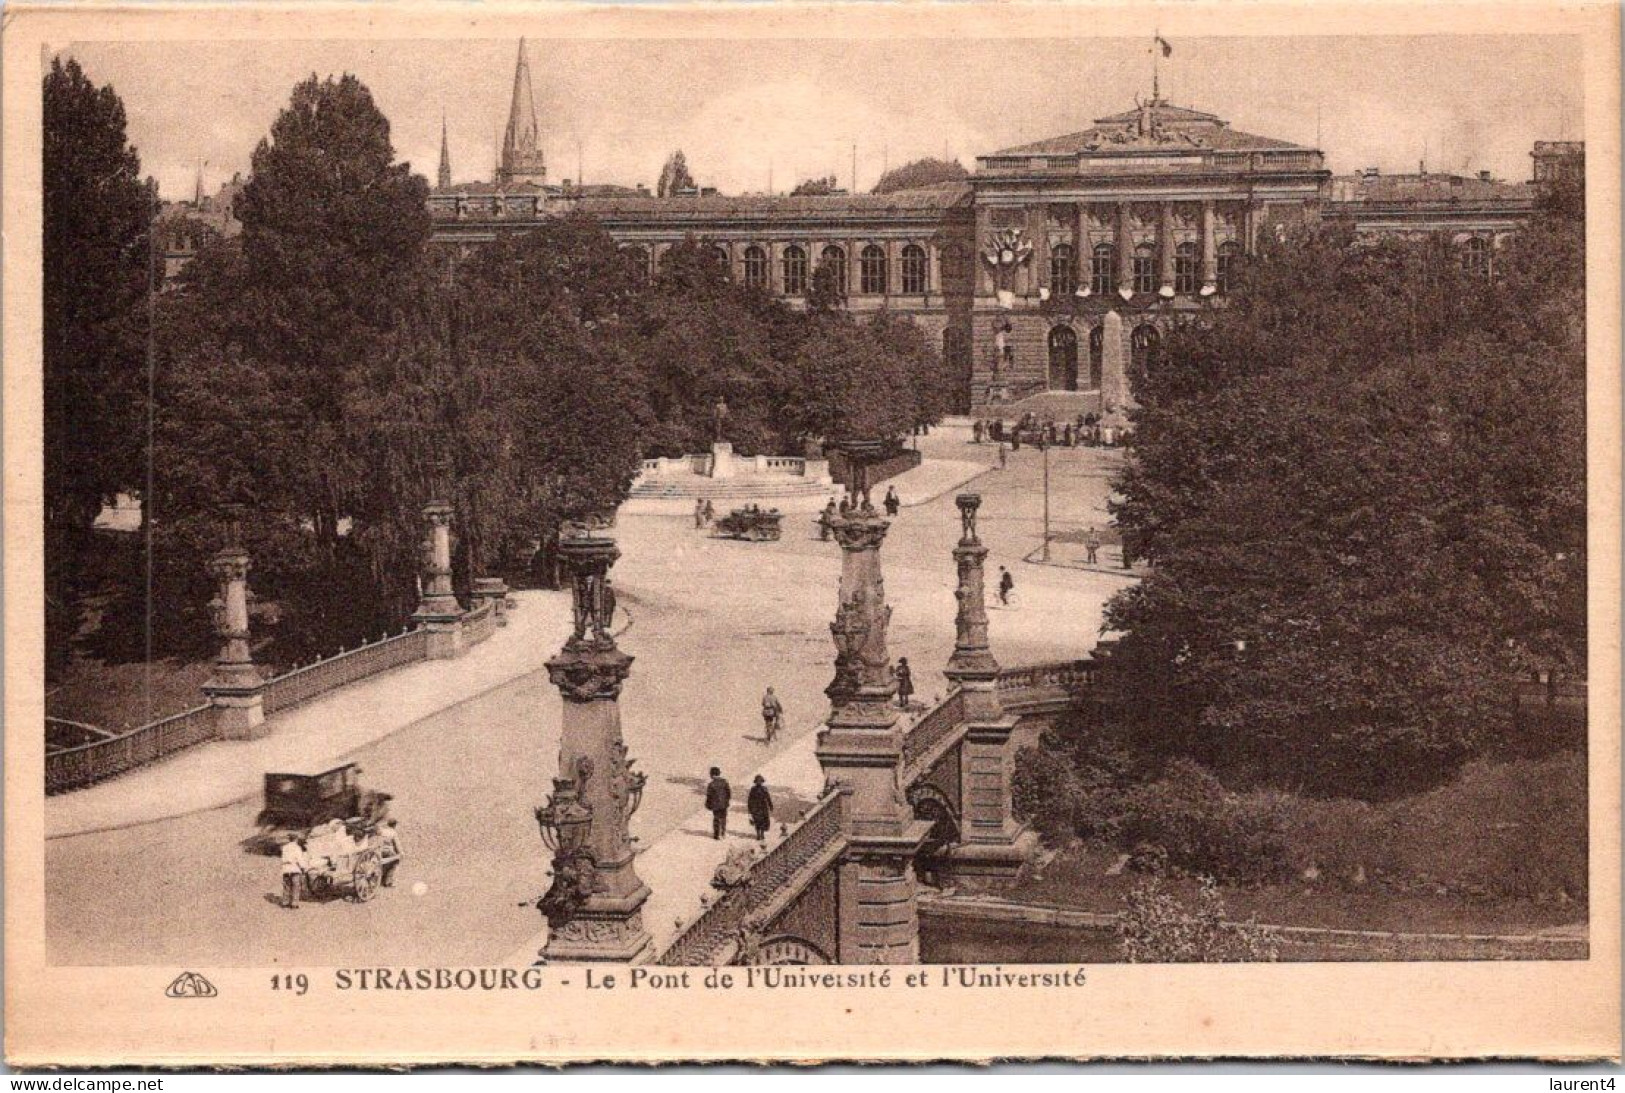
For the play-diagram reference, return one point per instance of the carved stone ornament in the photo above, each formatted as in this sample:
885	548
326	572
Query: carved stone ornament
588	676
859	534
1007	249
601	931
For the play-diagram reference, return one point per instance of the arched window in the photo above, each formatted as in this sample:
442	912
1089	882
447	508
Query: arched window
755	267
1145	344
1097	355
872	271
1145	267
1063	359
1063	269
719	255
914	270
795	271
833	258
1475	256
1229	255
1102	269
1185	268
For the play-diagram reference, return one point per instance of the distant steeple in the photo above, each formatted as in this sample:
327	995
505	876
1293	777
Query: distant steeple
197	189
522	159
444	177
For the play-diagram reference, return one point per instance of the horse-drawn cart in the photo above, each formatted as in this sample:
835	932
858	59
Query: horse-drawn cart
337	862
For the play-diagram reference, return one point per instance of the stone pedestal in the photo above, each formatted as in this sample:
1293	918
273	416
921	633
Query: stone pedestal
594	908
860	749
236	689
992	844
494	590
722	459
438	611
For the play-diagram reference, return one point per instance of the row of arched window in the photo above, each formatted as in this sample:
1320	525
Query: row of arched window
1144	343
1063	268
874	273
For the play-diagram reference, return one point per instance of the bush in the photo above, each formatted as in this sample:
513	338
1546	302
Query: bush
1205	829
1157	927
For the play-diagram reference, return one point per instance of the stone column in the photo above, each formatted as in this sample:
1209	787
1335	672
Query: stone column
981	271
775	268
1165	250
1038	230
1210	251
861	750
854	268
236	689
1084	253
594	907
438	611
894	267
1125	252
933	268
992	844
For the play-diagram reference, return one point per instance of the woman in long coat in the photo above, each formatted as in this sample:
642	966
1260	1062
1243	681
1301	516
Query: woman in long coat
760	806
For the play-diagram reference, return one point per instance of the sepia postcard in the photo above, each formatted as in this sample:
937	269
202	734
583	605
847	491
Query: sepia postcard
694	532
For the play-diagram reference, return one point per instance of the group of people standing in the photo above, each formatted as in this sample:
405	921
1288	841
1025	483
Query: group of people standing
704	513
758	804
1086	431
847	504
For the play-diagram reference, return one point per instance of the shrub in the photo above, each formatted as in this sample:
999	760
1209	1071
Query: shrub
1157	927
1206	829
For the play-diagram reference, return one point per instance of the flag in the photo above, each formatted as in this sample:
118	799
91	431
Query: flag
1167	50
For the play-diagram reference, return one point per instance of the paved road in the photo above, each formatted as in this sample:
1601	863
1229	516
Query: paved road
714	621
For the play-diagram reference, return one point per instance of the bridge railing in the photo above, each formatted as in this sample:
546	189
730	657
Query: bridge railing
1055	680
928	733
73	768
480	623
705	940
313	680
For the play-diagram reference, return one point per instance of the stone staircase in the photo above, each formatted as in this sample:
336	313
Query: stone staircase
675	494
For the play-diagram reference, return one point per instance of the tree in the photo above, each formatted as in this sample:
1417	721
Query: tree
920	173
1362	491
674	176
96	272
816	187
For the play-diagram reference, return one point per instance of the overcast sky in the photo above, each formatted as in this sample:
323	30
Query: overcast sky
739	109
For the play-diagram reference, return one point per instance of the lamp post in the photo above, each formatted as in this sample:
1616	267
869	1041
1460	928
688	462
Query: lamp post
1043	446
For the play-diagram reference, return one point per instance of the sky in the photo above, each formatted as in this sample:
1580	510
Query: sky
753	113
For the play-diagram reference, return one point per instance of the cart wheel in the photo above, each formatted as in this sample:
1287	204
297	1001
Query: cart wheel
365	879
319	884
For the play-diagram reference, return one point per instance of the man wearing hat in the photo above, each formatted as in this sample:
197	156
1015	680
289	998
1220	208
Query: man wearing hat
717	796
293	871
760	806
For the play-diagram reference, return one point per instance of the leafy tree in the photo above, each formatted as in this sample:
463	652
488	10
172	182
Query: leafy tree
675	176
816	187
1362	489
920	173
96	276
850	383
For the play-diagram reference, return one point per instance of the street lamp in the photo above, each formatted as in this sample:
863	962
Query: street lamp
1043	446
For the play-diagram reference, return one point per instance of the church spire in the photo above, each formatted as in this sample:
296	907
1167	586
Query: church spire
522	159
444	177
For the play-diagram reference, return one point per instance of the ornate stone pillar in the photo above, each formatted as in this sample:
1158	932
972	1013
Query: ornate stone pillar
1210	251
1165	250
236	689
594	907
992	844
1125	252
438	611
861	749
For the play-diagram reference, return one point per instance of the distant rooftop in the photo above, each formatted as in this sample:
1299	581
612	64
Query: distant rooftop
1153	126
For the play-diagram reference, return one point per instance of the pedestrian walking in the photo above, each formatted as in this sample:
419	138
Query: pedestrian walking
710	511
390	846
905	682
824	519
1091	543
892	503
772	715
718	794
1004	455
699	513
1007	585
759	803
293	871
976	431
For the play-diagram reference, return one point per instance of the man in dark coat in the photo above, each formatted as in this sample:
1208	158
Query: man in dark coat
718	794
760	805
905	682
893	503
1007	585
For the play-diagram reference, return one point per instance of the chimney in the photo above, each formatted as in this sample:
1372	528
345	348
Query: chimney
1369	173
1484	176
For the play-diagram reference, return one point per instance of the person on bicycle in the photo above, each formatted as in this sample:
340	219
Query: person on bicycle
772	714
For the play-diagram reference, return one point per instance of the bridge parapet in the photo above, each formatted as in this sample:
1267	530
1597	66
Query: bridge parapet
771	886
1050	686
934	733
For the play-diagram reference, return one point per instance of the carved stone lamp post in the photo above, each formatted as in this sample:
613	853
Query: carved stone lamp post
860	746
993	844
236	689
595	906
438	611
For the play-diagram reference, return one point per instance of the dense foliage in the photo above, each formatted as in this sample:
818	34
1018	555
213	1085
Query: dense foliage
922	172
816	187
674	176
1362	489
96	279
